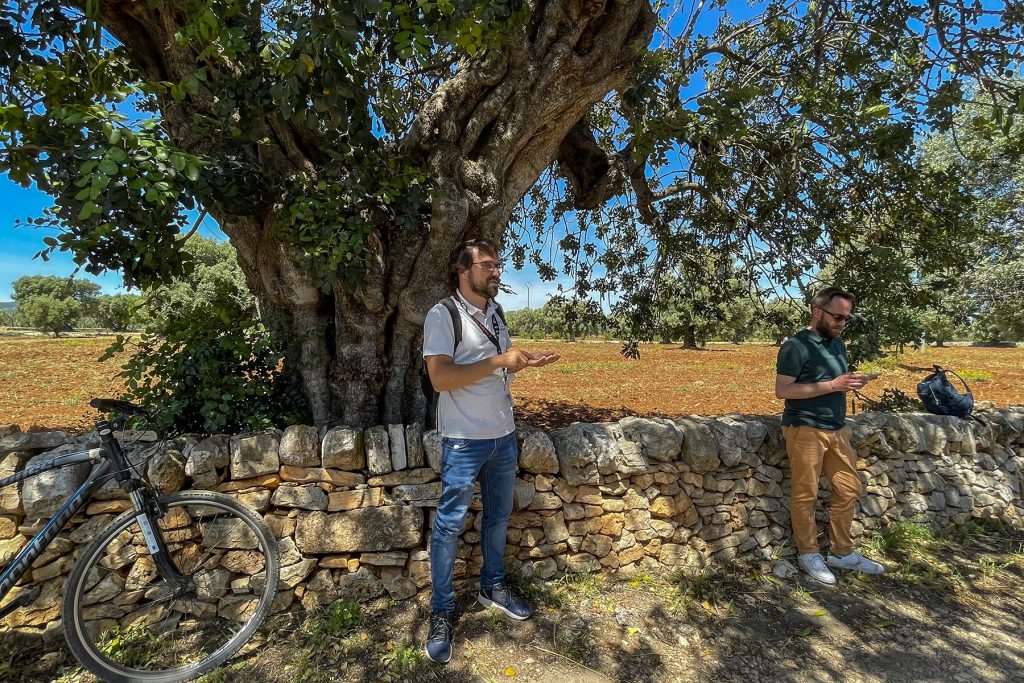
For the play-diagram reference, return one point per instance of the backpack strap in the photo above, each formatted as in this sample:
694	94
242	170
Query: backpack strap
449	303
501	313
967	387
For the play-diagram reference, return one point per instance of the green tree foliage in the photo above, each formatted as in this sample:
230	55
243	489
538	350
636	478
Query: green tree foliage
696	299
994	293
117	312
985	301
345	148
779	318
53	304
47	313
82	291
206	363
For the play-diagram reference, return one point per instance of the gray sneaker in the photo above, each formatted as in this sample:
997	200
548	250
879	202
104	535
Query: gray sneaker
855	562
814	565
503	597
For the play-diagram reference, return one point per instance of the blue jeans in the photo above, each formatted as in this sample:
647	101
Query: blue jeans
462	461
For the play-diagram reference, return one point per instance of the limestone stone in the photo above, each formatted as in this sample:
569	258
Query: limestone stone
258	500
545	568
400	588
536	451
700	447
634	500
432	449
597	545
396	440
522	495
378	451
308	497
576	463
659	438
361	585
663	507
417	476
731	437
32	441
299	447
581	447
555	530
342	448
208	456
255	455
10	500
426	494
366	530
313	475
581	562
359	498
388	559
638	519
10	547
546	501
564	491
43	494
675	555
414	445
166	470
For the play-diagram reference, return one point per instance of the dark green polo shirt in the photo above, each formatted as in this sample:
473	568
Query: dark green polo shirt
811	358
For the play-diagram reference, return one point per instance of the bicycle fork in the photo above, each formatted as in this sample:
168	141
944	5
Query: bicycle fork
147	509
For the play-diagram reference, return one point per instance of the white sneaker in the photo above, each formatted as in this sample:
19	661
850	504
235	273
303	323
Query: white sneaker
855	562
814	565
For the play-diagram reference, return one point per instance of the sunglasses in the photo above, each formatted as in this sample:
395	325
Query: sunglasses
838	318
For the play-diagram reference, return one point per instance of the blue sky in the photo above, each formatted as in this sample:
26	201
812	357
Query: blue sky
19	244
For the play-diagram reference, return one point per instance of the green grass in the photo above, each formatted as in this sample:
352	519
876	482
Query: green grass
404	659
320	640
582	367
900	538
974	375
133	647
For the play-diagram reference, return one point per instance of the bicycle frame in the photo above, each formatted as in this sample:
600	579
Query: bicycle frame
109	460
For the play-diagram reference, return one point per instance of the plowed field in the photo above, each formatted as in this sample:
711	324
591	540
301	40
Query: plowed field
47	383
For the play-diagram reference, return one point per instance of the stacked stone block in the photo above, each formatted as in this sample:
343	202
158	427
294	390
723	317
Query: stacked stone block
352	508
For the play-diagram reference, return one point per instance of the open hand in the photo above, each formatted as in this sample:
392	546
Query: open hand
541	359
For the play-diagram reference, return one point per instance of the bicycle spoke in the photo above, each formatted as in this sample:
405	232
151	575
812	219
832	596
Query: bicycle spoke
136	622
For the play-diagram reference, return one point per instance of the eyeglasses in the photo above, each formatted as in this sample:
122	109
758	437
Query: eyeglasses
838	318
490	266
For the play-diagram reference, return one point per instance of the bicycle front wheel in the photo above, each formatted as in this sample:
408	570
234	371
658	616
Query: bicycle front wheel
126	625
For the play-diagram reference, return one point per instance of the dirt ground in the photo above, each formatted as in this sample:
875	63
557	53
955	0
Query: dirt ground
47	383
949	610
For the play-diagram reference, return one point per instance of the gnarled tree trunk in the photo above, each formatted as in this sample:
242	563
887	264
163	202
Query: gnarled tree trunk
485	135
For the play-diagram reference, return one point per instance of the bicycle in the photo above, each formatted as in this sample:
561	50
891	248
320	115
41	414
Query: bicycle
157	595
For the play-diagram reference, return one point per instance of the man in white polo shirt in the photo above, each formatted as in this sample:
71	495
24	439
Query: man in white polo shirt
478	432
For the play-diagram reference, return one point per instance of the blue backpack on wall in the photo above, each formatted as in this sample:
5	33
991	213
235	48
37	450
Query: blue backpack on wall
940	396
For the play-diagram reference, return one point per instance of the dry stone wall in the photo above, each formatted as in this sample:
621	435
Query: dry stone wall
352	508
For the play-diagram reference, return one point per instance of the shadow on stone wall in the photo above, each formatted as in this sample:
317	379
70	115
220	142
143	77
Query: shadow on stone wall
352	508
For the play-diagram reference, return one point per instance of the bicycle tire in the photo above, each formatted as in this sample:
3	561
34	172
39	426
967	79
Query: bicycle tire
77	628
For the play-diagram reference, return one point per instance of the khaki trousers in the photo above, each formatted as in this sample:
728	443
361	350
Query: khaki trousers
810	450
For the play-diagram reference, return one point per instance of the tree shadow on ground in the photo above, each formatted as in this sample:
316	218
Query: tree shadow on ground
944	618
547	415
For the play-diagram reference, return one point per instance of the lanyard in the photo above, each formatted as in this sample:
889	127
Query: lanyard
493	338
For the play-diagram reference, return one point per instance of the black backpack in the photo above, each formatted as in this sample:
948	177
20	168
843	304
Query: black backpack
425	383
939	396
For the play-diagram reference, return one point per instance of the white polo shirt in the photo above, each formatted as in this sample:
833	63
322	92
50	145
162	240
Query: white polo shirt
482	410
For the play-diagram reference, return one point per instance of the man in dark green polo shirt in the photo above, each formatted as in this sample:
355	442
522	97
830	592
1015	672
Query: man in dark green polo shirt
813	377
